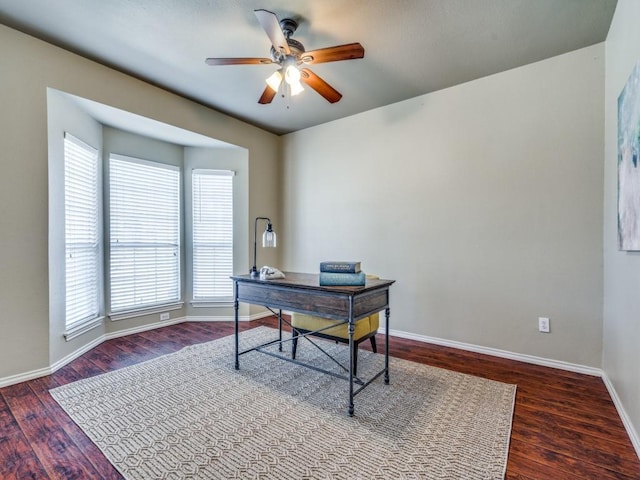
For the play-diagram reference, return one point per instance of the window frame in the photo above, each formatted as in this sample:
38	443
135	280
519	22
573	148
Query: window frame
174	299
227	227
88	193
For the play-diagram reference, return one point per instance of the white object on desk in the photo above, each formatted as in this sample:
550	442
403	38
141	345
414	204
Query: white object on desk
270	273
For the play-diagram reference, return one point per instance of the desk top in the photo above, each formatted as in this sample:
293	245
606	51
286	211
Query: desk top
311	281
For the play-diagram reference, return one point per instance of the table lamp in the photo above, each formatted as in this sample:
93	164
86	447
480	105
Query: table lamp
268	240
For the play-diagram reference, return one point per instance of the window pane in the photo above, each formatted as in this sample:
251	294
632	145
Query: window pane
145	233
212	234
81	230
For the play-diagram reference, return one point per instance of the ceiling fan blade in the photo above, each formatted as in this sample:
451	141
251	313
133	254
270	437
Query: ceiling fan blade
333	54
271	25
238	61
267	96
319	85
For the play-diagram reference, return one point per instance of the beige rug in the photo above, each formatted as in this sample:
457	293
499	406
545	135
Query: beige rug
191	415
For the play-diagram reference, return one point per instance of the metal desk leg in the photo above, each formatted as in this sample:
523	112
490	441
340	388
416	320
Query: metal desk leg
387	313
352	329
235	307
280	329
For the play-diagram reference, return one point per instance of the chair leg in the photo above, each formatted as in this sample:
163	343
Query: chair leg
373	344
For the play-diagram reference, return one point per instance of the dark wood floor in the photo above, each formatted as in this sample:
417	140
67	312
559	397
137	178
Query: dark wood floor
565	425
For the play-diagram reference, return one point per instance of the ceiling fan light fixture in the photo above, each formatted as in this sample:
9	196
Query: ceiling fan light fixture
274	80
292	75
296	88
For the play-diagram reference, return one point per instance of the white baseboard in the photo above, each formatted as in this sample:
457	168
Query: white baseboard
43	372
142	328
495	352
73	355
24	377
633	435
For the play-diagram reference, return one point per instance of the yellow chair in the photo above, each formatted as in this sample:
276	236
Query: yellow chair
366	328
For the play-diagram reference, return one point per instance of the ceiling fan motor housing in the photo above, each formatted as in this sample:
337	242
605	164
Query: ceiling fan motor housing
297	49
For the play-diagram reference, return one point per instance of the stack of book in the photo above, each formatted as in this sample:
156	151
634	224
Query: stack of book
341	274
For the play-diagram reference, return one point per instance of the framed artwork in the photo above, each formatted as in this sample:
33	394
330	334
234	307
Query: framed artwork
629	163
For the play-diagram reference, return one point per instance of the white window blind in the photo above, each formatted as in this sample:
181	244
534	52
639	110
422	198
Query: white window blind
81	231
212	234
144	218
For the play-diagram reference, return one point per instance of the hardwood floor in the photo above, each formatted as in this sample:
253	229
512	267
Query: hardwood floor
565	425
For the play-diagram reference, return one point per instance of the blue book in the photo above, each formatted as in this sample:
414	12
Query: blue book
342	279
340	267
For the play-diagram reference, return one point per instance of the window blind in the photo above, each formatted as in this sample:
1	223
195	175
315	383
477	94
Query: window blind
144	216
212	234
81	231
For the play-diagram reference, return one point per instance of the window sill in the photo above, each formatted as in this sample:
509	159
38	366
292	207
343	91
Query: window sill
212	303
84	327
145	311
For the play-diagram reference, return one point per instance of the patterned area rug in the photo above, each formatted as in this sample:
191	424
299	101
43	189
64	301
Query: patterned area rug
191	415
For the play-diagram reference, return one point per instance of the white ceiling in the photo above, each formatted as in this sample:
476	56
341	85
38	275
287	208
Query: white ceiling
412	47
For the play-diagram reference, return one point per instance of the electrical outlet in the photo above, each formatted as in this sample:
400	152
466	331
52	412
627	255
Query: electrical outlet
543	325
164	316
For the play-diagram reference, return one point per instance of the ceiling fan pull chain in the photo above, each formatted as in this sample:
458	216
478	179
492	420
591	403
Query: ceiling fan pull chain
287	94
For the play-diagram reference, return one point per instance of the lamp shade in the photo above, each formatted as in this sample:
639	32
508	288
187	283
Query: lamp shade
275	80
269	237
292	75
296	88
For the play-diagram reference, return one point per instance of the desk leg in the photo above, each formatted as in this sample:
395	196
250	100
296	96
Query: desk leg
352	329
387	313
235	307
280	329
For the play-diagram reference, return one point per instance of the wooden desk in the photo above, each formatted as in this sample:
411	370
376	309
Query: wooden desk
301	292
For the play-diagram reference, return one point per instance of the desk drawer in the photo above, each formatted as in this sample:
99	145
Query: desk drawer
307	301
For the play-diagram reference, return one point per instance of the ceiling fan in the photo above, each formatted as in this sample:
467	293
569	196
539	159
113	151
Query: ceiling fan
292	58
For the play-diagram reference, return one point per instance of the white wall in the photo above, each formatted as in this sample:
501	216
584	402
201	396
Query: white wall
483	201
29	68
621	269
